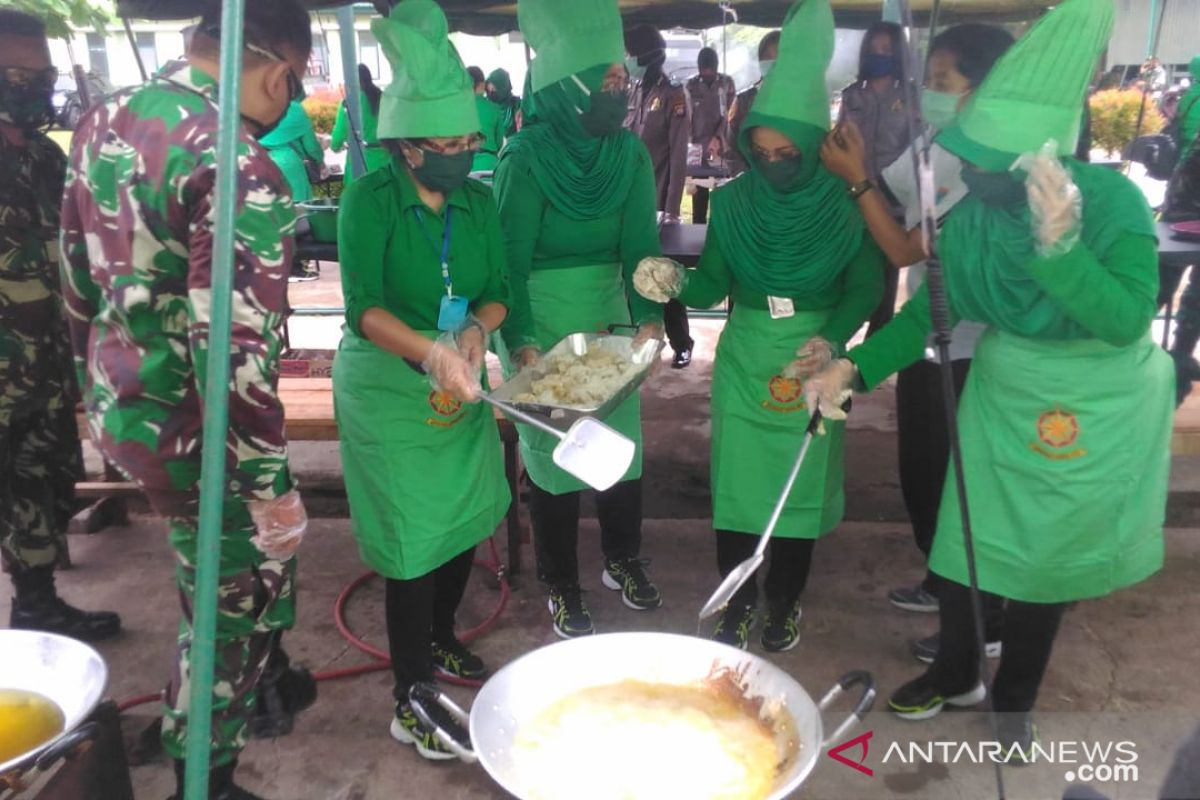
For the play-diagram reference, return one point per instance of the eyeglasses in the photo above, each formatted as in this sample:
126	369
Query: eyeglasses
32	78
471	144
781	154
295	86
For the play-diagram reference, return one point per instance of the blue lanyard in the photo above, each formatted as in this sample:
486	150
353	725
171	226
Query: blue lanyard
445	246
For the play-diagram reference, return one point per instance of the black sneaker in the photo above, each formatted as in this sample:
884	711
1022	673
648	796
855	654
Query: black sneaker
782	629
407	729
628	576
913	598
921	699
1017	735
452	658
570	615
925	650
682	359
734	626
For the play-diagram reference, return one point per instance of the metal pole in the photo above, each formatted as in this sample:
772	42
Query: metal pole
137	56
1152	29
216	411
358	160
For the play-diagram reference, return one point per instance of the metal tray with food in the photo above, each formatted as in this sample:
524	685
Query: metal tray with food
584	374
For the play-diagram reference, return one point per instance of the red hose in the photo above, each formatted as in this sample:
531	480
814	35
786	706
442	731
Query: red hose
381	660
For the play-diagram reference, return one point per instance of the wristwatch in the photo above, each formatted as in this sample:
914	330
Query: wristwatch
859	189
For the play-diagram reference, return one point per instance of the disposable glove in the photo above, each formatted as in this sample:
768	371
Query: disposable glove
659	279
811	357
1055	204
279	525
526	356
471	340
450	372
828	389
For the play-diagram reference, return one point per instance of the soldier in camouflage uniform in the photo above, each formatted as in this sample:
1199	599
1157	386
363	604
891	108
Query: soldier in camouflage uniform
138	243
39	441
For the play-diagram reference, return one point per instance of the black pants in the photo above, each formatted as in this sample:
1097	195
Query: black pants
675	320
787	573
924	462
700	206
1028	637
556	529
887	305
419	612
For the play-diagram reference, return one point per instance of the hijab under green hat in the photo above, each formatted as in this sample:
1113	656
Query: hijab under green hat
795	242
431	93
1035	91
569	36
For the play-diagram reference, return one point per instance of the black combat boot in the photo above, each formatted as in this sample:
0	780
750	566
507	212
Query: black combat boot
283	691
37	607
1186	367
220	783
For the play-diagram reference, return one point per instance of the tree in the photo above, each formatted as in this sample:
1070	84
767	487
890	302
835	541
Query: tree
60	15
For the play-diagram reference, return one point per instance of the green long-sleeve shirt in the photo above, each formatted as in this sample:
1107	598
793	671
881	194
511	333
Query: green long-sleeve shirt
1114	299
539	236
391	257
375	154
852	297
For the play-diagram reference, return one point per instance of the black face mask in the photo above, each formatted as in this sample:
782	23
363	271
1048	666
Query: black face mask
995	189
606	114
29	107
263	128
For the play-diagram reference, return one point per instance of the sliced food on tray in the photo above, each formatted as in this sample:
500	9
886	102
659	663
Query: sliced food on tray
583	381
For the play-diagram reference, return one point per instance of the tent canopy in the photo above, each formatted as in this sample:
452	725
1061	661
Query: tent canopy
491	17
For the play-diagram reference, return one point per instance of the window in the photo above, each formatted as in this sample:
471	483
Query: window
148	52
368	52
97	55
318	60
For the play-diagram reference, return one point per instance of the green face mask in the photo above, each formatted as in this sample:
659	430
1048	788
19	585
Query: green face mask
939	108
444	173
783	175
606	114
995	189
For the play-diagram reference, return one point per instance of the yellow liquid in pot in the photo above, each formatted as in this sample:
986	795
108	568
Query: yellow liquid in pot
645	741
27	719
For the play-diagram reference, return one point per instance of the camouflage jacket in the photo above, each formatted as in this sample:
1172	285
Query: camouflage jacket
35	352
137	239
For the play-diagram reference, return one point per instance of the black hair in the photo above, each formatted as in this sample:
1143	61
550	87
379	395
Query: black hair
367	84
766	43
893	32
708	58
477	75
975	47
19	23
281	27
644	40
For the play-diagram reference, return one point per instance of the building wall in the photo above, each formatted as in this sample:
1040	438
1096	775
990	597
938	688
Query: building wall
1180	39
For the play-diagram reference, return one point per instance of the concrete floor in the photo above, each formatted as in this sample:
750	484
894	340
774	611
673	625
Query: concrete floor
1123	668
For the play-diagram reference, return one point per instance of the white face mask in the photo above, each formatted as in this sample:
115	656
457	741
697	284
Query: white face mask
636	72
765	67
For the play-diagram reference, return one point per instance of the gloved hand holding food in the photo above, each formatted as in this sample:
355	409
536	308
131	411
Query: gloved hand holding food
1055	204
279	525
526	356
471	340
647	331
811	357
659	279
449	371
828	389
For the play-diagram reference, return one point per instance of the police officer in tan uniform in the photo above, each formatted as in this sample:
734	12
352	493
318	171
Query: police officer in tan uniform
712	95
659	115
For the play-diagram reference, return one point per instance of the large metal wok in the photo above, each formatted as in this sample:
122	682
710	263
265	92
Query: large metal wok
521	690
64	670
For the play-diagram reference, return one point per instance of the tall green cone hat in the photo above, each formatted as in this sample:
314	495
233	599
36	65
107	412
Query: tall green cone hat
1036	90
795	88
431	93
569	36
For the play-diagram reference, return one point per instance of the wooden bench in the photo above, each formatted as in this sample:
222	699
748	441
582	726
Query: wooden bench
308	409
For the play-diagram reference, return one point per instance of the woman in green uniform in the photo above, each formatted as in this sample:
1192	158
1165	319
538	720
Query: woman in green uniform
290	144
491	121
368	100
425	283
788	245
500	92
1066	416
576	197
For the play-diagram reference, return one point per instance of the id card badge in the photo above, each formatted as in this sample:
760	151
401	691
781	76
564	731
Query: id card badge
453	312
781	307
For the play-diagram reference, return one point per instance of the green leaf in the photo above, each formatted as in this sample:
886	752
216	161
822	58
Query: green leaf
60	15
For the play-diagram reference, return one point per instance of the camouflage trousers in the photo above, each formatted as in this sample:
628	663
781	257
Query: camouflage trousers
255	601
40	461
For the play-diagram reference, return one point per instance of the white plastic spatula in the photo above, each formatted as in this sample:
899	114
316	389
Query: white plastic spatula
590	450
742	572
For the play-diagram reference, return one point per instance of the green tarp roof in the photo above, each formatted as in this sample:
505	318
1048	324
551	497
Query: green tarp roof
486	17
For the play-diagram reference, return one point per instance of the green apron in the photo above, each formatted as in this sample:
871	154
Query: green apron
424	473
1066	449
759	418
557	299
